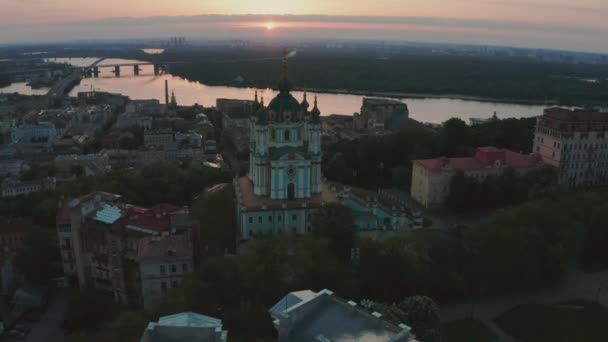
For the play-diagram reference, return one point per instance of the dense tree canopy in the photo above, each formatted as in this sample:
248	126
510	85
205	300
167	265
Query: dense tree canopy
153	184
508	188
38	259
373	162
506	78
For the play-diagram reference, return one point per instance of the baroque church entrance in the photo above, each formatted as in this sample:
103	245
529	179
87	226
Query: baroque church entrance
291	191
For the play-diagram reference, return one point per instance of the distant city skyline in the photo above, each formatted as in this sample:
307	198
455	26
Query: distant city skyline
555	24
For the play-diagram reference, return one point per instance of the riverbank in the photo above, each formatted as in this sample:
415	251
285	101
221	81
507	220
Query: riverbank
429	96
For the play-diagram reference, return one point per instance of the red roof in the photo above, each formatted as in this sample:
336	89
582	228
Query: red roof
485	157
165	246
10	225
157	218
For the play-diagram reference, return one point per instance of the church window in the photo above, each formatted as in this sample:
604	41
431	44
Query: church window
259	219
250	219
294	217
299	133
287	135
273	134
269	218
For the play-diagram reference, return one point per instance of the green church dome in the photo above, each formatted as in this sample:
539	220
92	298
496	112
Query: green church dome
284	103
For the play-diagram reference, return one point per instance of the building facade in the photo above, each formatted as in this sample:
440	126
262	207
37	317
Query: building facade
14	187
159	138
236	113
42	132
163	263
284	186
576	142
12	232
381	113
106	245
431	178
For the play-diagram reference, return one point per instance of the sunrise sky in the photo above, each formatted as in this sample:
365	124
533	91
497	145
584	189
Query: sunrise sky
562	24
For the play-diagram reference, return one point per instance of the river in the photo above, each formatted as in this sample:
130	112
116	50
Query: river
147	86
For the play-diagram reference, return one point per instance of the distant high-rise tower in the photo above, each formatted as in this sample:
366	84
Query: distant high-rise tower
167	92
173	100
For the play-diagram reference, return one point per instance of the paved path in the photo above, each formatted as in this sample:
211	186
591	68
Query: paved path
48	327
577	285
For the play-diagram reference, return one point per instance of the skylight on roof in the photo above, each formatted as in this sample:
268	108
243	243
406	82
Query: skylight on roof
108	214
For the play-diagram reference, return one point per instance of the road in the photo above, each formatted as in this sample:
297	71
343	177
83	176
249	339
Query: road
61	87
47	330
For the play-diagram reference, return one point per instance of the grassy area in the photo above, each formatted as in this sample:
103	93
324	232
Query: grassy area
544	323
466	330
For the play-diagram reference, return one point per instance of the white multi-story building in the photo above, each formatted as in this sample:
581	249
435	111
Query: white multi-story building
159	138
576	142
33	133
129	120
14	187
191	138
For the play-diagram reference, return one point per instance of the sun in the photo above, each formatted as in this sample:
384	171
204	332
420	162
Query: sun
269	25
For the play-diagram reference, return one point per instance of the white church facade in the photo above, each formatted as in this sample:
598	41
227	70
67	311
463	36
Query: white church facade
284	187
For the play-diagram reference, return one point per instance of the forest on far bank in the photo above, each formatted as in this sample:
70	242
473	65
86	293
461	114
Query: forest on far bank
493	78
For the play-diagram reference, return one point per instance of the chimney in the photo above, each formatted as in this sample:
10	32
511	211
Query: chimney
167	92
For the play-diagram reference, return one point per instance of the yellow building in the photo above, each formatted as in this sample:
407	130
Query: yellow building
431	178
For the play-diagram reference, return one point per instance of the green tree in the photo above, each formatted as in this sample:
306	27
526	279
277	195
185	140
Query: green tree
89	309
219	228
455	138
422	314
594	254
337	223
38	258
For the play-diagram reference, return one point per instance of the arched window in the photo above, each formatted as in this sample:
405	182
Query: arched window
287	135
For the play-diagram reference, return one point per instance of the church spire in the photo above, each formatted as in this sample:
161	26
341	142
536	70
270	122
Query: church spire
285	54
284	84
305	105
256	97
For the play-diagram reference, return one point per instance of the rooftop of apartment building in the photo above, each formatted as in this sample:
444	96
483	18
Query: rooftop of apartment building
484	158
568	120
322	316
153	248
185	326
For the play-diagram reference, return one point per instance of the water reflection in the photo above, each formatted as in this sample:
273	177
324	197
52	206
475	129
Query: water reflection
148	85
23	88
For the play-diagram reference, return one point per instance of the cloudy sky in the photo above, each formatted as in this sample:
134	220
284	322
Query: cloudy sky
561	24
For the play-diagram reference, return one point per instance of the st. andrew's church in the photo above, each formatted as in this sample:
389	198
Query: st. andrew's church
284	186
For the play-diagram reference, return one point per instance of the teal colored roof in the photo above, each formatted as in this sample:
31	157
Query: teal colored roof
108	214
290	300
190	319
283	103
